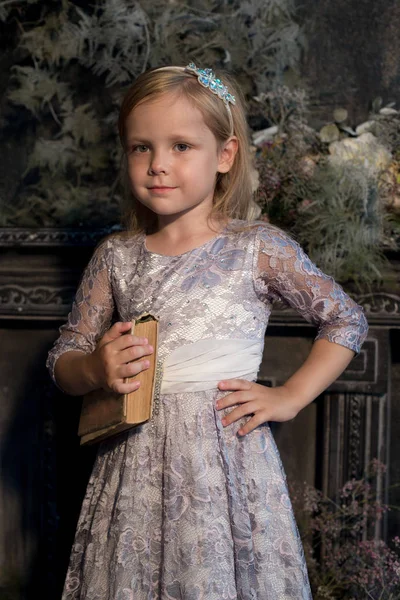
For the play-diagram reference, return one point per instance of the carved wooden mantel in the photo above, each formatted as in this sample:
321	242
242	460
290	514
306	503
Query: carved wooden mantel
29	289
39	270
39	273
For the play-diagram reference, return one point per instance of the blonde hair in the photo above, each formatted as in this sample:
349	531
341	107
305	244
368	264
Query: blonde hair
233	190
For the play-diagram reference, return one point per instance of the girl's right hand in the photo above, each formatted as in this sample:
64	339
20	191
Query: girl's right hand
117	356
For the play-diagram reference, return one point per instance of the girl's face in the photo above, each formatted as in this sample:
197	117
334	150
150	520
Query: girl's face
173	157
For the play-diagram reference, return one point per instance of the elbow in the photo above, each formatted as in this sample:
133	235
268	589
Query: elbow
350	333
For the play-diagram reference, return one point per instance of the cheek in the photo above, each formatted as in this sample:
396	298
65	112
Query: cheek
135	169
201	170
211	163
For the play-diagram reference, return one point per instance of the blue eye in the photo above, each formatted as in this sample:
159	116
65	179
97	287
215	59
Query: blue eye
182	147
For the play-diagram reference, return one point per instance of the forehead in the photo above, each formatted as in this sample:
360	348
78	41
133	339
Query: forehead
166	112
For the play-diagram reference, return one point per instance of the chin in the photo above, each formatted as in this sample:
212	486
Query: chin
161	210
167	210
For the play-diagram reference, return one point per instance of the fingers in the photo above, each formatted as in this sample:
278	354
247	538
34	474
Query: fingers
122	387
127	340
246	401
116	331
233	399
133	353
133	368
235	384
122	383
125	349
129	347
239	412
258	417
255	421
126	364
119	355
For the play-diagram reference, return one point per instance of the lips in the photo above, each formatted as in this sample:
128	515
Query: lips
161	189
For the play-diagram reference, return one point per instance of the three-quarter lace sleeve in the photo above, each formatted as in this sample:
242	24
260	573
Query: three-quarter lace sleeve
91	311
283	271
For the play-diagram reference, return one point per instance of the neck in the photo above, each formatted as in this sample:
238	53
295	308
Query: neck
186	228
183	233
196	221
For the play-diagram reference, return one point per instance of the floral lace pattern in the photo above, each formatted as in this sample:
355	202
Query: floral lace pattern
182	508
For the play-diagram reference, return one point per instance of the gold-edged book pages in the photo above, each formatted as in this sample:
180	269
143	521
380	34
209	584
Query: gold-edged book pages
105	414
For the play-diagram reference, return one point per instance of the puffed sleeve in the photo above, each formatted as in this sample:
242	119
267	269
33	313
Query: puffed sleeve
282	271
91	311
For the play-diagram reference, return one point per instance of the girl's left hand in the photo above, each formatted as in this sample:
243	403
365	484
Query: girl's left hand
259	402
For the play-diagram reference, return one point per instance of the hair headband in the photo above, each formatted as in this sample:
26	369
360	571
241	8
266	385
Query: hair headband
207	79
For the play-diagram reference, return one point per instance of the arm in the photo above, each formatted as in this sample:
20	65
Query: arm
107	366
283	271
322	367
72	373
88	353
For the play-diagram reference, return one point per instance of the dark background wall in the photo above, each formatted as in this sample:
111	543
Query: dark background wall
352	55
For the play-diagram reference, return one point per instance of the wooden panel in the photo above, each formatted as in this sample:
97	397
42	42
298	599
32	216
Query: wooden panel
28	518
356	431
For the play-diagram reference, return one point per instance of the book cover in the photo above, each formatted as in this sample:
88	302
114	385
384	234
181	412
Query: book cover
105	413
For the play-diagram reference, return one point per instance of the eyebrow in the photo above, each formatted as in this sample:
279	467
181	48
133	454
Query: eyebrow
172	137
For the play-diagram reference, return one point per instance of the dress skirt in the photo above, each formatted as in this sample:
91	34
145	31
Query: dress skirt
182	508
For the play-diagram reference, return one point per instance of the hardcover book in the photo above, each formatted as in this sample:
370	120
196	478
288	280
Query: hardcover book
105	414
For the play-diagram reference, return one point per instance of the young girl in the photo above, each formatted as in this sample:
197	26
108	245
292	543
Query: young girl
193	505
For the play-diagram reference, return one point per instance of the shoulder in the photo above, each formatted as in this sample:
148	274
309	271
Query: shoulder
268	238
120	241
115	251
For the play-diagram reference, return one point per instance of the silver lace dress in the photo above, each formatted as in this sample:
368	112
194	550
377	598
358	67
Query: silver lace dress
181	508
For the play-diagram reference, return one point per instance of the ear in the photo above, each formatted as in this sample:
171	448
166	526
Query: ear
227	154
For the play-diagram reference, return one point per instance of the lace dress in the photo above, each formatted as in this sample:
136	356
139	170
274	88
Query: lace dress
181	508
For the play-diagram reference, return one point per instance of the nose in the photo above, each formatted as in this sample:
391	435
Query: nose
158	163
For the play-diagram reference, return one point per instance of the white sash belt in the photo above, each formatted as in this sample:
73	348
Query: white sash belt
201	365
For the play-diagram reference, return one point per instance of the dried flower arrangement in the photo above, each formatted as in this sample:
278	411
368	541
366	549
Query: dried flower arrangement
344	560
337	190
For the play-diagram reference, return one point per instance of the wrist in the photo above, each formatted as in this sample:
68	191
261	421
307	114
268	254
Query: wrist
296	398
91	371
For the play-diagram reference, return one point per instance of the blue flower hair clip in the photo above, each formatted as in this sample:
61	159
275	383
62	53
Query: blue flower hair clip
208	80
